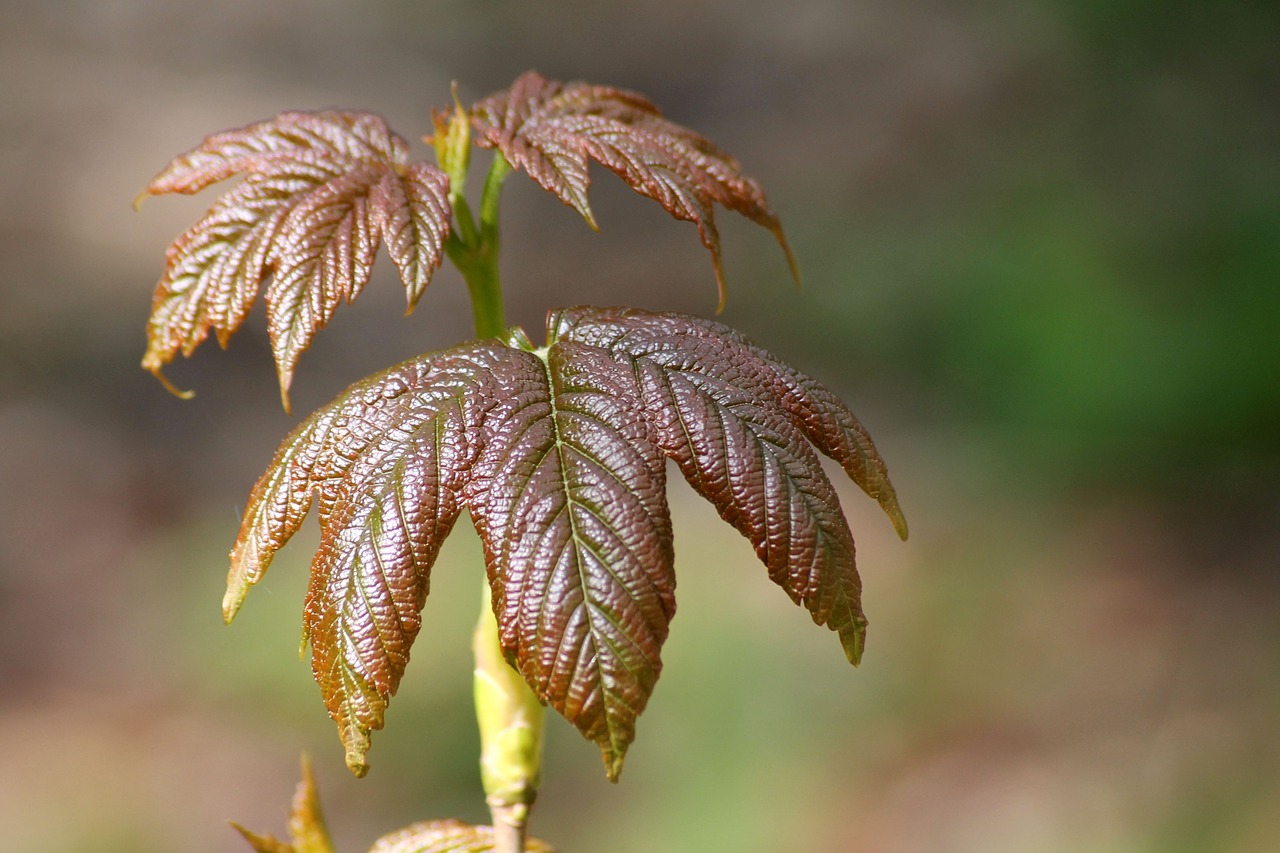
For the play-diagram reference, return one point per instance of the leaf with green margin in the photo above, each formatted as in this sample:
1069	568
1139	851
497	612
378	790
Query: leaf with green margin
380	443
723	411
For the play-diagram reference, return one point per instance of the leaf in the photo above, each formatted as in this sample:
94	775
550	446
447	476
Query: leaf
820	414
447	836
735	420
396	440
324	256
320	191
552	130
569	499
413	216
558	454
307	830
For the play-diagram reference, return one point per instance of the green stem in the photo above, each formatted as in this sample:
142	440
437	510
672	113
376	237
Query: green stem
474	251
509	715
511	722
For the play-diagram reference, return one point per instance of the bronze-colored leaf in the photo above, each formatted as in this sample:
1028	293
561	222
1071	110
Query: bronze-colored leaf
385	460
213	271
727	413
320	191
568	495
552	130
670	338
344	136
323	257
447	836
413	211
558	455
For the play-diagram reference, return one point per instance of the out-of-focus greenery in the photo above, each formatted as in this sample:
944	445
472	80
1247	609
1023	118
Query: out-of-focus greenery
1086	273
1040	245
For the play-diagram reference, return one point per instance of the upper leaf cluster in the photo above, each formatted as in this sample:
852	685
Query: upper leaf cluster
552	130
322	190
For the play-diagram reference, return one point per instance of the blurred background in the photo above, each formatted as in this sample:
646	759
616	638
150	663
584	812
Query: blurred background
1041	249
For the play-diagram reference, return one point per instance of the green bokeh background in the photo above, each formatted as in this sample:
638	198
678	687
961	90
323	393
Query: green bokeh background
1041	249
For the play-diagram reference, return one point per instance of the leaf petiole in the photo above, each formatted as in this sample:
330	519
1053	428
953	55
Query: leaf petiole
474	251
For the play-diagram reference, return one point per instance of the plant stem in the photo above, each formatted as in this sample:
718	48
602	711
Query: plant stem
510	719
509	715
475	252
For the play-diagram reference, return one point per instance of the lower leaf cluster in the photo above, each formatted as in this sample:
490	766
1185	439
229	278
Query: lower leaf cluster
558	454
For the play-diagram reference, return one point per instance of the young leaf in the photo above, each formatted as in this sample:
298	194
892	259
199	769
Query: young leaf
322	189
558	455
386	460
413	215
569	498
307	830
735	420
669	339
447	836
552	129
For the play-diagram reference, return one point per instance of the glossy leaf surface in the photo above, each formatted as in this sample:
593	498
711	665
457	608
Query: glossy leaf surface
558	455
321	192
552	130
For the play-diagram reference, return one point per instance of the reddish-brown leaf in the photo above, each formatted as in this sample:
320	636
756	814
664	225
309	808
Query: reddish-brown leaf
320	191
734	419
552	130
413	211
558	455
386	460
324	256
214	270
346	137
568	495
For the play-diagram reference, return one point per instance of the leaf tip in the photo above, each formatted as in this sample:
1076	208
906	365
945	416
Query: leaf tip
888	500
231	601
152	367
792	263
358	766
356	740
261	843
722	288
613	758
239	579
899	523
854	639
